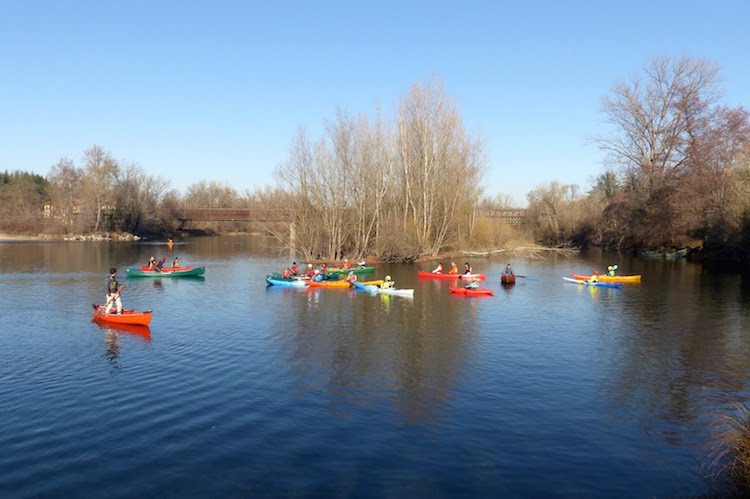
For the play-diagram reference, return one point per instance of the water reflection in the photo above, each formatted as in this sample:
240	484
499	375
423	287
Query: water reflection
365	350
685	349
112	333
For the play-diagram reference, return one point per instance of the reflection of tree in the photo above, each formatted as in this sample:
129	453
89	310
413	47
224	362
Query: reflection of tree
683	350
364	345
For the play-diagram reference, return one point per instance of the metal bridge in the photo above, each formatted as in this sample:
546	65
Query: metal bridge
234	215
510	216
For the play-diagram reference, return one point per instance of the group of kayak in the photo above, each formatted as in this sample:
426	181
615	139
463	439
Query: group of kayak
325	277
113	313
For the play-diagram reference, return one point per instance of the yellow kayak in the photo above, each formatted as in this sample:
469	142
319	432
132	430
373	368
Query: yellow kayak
608	278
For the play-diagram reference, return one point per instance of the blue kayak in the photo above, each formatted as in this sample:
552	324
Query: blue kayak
364	287
597	284
293	283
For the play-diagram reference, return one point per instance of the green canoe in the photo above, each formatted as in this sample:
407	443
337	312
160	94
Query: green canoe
356	270
166	272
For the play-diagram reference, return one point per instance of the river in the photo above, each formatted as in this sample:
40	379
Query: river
238	389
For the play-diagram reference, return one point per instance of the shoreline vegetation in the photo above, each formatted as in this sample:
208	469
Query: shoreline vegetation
410	185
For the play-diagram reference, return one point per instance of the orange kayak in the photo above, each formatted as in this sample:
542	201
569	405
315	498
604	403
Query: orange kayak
127	316
471	292
328	284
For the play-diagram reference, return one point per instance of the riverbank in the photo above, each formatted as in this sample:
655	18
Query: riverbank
107	236
10	238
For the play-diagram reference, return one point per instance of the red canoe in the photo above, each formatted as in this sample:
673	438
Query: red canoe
167	269
450	276
471	292
127	316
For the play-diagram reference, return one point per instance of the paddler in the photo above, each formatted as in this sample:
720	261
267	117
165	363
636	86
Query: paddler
113	292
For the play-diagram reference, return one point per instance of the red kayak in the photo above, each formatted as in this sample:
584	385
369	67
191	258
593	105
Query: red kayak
430	275
127	316
471	292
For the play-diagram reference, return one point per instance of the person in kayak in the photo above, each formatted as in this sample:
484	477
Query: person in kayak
175	263
317	276
508	270
474	284
352	277
387	283
467	268
611	270
454	268
594	277
286	274
151	263
346	264
362	264
113	292
438	269
310	272
295	269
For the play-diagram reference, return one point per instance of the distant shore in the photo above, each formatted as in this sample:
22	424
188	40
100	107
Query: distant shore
5	237
17	237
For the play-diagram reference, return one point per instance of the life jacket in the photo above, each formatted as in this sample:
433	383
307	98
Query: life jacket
112	286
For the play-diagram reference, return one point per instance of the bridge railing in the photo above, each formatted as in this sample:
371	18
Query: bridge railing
234	215
512	216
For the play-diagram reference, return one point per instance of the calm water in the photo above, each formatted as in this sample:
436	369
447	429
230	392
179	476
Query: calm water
545	389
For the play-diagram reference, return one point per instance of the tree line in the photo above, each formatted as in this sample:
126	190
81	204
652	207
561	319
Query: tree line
409	185
678	170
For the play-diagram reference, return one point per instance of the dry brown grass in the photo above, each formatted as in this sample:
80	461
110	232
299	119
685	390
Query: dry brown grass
730	448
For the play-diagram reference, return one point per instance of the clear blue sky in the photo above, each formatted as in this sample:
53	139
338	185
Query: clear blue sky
216	90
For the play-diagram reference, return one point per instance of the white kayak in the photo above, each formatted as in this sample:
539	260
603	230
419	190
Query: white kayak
408	293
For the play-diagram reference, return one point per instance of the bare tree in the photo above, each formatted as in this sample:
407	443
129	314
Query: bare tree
374	165
66	183
137	197
440	165
657	118
296	177
99	179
